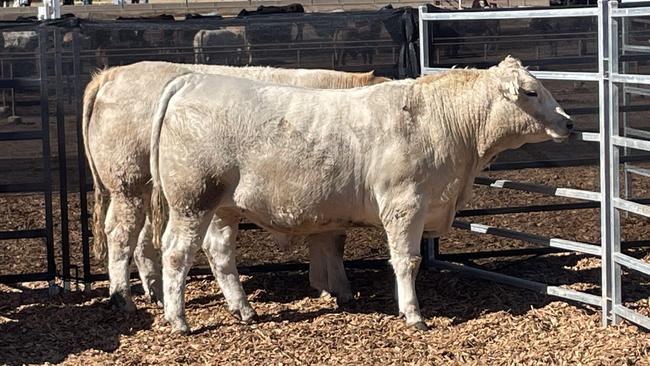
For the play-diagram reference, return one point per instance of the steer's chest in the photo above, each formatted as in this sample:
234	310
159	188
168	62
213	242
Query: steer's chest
446	199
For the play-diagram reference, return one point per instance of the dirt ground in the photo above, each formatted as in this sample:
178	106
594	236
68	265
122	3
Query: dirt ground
472	321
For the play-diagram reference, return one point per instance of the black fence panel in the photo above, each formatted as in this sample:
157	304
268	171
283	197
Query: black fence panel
23	66
45	67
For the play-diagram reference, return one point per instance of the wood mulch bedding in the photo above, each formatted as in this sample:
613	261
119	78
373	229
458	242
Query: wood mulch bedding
472	321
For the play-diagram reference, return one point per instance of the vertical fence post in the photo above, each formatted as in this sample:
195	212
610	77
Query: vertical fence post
614	187
429	247
424	40
606	164
47	169
63	164
627	176
81	161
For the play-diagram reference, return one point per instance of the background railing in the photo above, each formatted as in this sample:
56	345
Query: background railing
602	22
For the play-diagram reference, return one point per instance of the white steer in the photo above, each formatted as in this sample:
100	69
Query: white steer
119	104
400	155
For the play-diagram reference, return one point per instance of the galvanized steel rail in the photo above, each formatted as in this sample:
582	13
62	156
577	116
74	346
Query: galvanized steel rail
608	78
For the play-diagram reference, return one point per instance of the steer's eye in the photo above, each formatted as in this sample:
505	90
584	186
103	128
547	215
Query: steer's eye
530	93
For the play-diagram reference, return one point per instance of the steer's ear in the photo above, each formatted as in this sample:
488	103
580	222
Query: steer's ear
510	85
510	62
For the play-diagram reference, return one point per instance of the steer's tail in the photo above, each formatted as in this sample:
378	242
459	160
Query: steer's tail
158	203
101	194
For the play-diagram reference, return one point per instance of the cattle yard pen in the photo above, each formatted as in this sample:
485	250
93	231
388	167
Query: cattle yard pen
58	68
611	17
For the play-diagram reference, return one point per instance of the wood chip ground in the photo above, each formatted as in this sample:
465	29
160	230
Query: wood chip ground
473	322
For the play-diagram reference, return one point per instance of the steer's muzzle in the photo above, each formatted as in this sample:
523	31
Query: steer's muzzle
563	126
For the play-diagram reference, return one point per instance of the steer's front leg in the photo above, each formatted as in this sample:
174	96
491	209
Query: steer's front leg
403	221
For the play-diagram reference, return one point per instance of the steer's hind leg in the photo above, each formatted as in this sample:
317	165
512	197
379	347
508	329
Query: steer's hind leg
124	220
182	238
403	223
219	246
317	266
148	260
326	270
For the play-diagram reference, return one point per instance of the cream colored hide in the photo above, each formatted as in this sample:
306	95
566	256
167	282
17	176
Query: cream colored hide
401	155
118	108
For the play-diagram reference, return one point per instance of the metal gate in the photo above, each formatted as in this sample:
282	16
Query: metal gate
609	15
44	185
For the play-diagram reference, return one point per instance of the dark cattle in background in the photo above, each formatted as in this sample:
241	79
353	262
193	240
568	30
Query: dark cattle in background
159	38
226	46
18	51
20	41
354	40
262	10
266	33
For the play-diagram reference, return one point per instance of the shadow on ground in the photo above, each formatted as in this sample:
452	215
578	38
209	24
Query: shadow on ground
441	294
43	329
38	324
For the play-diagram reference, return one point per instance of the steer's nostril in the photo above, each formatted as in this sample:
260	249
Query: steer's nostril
569	125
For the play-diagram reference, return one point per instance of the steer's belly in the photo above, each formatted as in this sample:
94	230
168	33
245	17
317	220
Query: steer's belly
277	222
289	207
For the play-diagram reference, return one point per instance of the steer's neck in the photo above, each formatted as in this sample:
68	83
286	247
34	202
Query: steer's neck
454	111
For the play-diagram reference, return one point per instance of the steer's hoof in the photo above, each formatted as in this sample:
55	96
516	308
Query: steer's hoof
179	326
344	299
121	303
154	300
158	303
246	316
181	330
419	326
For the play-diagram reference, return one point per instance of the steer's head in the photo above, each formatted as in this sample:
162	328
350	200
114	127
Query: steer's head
524	111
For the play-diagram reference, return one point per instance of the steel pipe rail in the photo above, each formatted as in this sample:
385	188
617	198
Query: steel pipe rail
585	136
632	207
561	163
538	188
636	132
541	288
632	316
543	75
532	238
631	143
629	12
630	78
638	171
632	263
509	14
